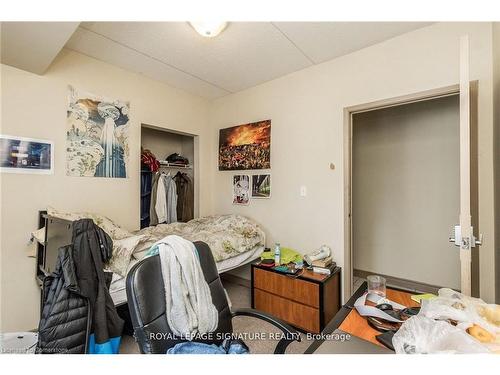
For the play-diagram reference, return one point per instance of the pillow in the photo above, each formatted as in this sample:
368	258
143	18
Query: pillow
118	281
114	231
122	254
142	249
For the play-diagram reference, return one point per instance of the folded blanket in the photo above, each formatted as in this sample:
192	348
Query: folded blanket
187	295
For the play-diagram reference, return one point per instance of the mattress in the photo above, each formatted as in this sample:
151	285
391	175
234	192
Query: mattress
239	260
118	290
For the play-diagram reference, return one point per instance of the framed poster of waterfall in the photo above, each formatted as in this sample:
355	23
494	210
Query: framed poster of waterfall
97	136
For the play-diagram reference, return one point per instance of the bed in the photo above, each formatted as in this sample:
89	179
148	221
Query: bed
235	240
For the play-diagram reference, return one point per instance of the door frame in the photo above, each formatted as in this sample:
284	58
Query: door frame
392	102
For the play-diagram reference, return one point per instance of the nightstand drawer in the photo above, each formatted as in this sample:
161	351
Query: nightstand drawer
304	292
302	316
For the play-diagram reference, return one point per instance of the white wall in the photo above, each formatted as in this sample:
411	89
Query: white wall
496	139
306	109
35	106
405	169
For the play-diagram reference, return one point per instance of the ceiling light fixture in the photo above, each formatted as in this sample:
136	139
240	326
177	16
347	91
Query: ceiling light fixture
209	29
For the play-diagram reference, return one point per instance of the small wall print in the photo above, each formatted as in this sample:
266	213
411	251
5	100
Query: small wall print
26	155
245	146
261	186
241	189
96	136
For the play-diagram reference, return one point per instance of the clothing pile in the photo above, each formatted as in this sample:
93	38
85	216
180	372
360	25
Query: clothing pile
175	158
148	159
78	315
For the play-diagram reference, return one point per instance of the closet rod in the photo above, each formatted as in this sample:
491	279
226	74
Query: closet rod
175	166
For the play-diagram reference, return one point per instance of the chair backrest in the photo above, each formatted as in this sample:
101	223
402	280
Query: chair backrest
146	301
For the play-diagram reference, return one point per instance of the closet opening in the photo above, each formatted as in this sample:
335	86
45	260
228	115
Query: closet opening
177	169
402	191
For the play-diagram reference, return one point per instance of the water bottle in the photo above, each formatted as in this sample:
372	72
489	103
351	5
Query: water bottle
277	254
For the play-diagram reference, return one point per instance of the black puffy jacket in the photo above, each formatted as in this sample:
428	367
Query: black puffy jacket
76	300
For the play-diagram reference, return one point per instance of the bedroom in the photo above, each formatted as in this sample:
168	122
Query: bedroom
303	86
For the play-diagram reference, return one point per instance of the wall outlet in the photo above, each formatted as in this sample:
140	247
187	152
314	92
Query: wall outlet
303	191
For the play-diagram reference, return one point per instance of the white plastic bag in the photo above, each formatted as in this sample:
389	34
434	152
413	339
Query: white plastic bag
461	308
420	334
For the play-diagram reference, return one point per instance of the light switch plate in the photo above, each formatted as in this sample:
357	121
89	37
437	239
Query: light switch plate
303	191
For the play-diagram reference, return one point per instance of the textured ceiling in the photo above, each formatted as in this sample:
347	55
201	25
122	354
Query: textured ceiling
244	55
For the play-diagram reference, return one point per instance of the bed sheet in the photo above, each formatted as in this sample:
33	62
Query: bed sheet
117	288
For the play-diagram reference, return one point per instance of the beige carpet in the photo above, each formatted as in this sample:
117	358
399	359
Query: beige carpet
240	297
253	328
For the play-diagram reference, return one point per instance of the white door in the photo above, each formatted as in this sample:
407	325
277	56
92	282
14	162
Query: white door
464	237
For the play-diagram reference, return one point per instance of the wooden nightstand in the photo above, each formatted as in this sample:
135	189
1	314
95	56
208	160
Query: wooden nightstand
308	301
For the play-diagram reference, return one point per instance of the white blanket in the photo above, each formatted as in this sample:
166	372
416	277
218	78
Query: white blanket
187	295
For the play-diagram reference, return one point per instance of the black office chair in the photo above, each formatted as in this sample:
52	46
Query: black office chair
146	301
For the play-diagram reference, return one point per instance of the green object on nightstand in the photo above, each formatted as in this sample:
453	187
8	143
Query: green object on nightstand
287	255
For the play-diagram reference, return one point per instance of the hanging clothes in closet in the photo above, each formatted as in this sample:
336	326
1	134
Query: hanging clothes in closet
185	197
153	217
171	191
165	206
149	167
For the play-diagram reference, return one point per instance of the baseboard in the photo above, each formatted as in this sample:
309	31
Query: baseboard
235	280
410	285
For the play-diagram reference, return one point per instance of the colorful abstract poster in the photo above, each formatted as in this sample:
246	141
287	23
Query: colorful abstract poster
245	147
26	155
97	136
